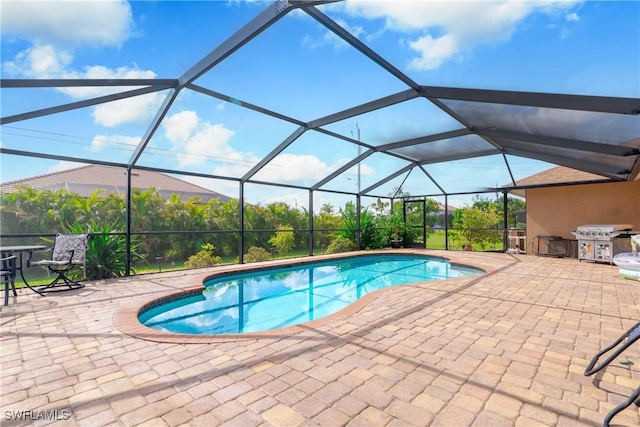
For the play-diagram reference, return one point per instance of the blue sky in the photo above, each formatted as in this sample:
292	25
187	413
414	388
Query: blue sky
299	69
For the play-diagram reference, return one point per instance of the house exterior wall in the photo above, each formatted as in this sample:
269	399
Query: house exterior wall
557	211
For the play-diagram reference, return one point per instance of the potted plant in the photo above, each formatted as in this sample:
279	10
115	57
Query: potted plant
397	231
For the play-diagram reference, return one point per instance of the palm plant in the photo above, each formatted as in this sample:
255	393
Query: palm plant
106	252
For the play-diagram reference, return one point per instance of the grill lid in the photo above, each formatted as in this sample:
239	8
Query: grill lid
605	227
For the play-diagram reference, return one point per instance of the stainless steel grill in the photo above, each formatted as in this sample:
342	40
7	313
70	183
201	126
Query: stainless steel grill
601	242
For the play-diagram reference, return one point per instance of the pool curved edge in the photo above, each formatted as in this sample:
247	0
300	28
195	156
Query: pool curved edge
126	320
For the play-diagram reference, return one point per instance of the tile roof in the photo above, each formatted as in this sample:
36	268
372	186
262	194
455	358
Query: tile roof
555	175
559	175
442	207
86	179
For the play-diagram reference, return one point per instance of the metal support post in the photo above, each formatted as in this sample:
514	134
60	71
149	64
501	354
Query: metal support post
241	225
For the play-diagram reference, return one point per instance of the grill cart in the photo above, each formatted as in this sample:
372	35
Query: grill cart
601	242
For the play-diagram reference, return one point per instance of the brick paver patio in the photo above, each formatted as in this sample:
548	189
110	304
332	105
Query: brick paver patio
507	348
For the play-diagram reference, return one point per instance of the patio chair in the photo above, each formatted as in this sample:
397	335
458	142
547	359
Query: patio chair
8	275
69	251
618	346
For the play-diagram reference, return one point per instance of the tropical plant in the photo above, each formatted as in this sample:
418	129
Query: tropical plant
372	235
397	227
106	252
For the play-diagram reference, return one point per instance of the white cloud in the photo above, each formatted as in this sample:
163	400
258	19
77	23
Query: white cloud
55	28
64	165
364	170
331	39
101	72
179	127
573	17
448	30
48	62
101	142
95	23
295	168
194	139
136	110
299	168
41	61
439	50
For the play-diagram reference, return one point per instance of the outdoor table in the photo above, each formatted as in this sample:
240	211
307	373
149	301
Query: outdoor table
10	250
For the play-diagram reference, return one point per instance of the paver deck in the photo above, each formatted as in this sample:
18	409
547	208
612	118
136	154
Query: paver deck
507	348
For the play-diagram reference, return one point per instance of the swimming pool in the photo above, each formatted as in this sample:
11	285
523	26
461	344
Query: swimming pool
279	297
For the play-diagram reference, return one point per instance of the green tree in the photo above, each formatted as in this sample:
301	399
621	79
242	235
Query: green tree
326	222
379	207
476	226
283	240
514	204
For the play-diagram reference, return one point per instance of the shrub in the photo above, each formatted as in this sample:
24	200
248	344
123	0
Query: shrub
341	244
283	240
256	254
204	257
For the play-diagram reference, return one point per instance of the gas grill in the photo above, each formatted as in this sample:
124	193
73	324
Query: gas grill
601	242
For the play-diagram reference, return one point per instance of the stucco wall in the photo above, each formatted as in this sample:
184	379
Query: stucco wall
557	211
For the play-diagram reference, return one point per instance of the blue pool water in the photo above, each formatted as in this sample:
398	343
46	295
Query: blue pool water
279	297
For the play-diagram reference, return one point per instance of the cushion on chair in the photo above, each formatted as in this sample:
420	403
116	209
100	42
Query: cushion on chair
65	243
46	262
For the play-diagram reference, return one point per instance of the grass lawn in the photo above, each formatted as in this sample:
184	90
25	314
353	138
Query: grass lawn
39	276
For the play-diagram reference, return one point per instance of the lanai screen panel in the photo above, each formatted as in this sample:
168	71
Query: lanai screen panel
600	127
10	162
532	172
263	195
474	174
369	172
593	162
106	132
405	120
203	134
447	149
308	159
414	182
296	50
16	101
325	201
522	168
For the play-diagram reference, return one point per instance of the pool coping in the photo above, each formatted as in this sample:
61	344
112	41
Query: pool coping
126	320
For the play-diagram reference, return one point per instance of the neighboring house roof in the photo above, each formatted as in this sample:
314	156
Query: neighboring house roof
86	179
556	175
449	208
